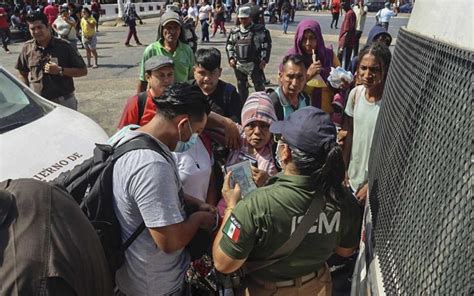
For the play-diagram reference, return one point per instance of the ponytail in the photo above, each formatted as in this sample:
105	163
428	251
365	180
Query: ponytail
332	173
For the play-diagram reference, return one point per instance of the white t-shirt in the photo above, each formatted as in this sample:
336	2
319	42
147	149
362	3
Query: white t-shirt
145	187
194	167
385	14
204	12
193	12
361	15
65	30
364	114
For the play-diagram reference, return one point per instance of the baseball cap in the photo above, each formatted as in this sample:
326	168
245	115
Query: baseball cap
307	129
157	62
244	12
170	16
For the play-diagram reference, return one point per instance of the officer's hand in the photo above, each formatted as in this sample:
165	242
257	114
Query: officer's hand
232	135
260	177
314	69
231	195
232	63
262	65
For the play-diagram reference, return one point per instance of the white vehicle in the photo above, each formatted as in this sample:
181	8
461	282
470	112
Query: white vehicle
40	139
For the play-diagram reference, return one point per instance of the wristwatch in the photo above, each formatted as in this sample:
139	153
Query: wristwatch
61	71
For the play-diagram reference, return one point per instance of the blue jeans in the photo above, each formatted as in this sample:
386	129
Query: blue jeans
286	19
205	30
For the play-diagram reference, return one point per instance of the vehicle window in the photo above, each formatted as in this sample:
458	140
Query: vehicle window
18	104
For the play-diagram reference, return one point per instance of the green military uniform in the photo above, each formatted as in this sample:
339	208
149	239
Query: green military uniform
264	220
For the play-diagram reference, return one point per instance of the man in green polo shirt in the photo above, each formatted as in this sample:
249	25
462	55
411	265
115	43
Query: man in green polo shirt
170	44
255	227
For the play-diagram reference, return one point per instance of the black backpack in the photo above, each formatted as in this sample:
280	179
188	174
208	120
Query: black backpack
90	184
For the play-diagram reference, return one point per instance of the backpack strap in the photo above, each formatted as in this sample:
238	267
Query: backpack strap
295	239
140	142
141	103
277	105
307	99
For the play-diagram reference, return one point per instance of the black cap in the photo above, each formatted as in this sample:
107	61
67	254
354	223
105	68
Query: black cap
307	129
157	62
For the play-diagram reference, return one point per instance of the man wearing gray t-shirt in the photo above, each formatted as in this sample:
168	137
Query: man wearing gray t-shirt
147	188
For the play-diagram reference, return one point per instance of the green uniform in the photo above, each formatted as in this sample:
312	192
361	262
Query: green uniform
183	59
264	220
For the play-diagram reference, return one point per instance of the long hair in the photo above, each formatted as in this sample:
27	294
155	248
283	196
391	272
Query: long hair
326	167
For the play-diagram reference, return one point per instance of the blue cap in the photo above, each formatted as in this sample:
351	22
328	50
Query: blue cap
307	129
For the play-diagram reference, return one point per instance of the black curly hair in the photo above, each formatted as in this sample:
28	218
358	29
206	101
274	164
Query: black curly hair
182	98
382	54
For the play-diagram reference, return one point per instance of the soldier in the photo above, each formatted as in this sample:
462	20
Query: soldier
248	50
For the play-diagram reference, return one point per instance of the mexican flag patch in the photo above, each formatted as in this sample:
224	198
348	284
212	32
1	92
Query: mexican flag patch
232	228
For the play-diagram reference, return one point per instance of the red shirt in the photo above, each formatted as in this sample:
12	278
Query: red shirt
51	12
130	111
348	30
336	6
3	19
95	7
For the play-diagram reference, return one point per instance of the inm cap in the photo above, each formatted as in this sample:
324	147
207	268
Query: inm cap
307	129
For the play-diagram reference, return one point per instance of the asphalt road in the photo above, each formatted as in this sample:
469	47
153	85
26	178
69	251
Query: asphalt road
104	91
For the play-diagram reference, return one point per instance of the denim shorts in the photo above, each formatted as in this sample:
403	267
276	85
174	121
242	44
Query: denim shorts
89	43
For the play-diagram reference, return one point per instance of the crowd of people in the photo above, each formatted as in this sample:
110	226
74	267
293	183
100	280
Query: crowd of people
274	178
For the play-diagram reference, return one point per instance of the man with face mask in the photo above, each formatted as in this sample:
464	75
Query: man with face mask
248	50
147	188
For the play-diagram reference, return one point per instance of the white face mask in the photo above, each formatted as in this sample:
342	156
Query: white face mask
185	146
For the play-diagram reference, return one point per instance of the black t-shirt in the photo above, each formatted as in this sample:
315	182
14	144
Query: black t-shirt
225	101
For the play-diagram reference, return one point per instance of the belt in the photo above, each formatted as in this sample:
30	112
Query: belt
289	283
303	279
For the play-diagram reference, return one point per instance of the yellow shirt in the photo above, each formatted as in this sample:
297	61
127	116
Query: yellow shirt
326	93
88	27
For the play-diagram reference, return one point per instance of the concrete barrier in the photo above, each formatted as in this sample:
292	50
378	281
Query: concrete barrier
144	9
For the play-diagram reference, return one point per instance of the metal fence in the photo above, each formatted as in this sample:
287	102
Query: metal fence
421	170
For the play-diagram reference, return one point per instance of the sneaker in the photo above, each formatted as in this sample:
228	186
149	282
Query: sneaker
95	66
138	43
127	45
